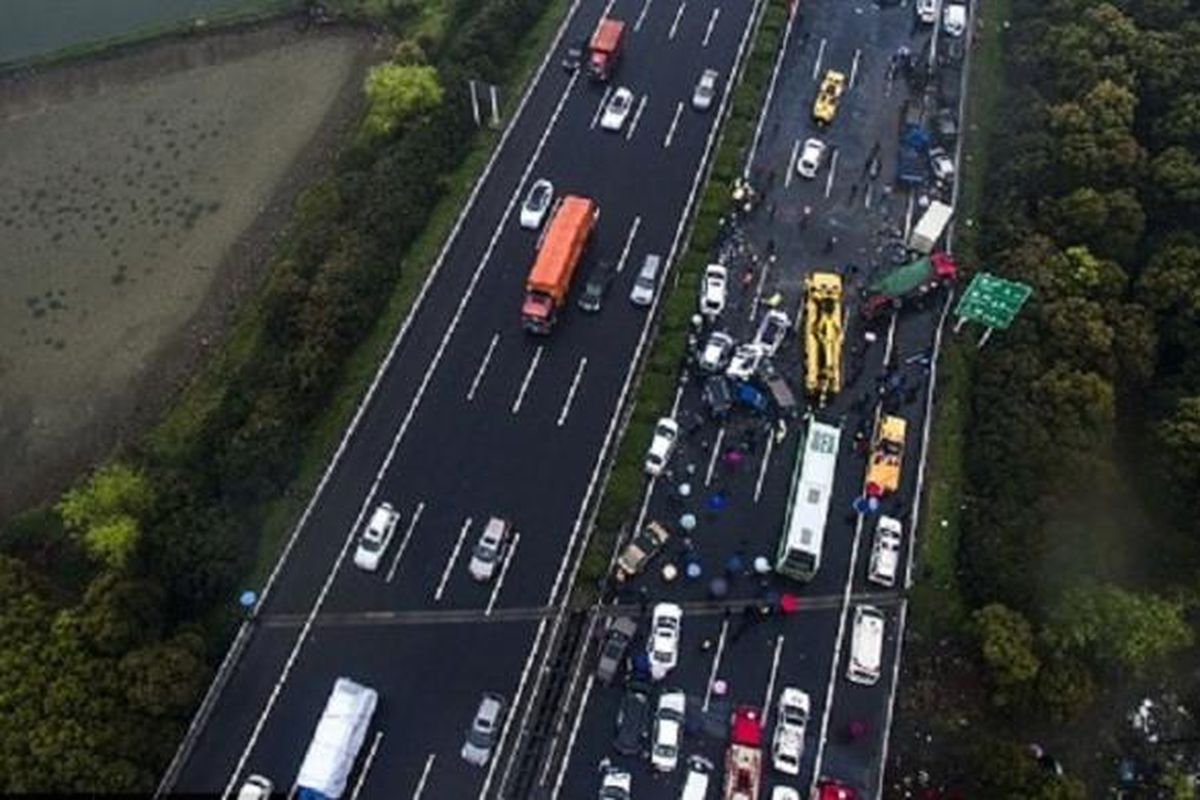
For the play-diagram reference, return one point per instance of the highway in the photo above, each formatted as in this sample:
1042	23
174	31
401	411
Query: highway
806	649
471	418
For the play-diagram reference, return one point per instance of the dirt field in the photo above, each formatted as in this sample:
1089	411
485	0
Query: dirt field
138	199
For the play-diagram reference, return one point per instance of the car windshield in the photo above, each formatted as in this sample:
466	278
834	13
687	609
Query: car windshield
539	197
620	101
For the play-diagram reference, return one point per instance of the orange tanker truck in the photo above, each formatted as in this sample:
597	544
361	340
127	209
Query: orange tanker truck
559	254
604	51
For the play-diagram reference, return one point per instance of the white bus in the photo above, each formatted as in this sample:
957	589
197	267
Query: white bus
799	554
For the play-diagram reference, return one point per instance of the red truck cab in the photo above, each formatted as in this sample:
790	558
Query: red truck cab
604	51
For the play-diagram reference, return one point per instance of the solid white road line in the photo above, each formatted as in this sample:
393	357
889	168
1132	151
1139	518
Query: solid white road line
678	397
712	461
483	365
637	115
633	229
758	287
832	171
675	24
716	12
762	472
416	795
820	55
600	106
537	356
908	214
637	25
462	535
512	550
854	68
891	703
766	106
674	122
566	409
791	168
867	196
716	663
362	776
766	703
508	718
562	770
412	523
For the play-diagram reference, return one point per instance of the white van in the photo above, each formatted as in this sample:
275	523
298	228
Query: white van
954	19
885	552
866	646
695	785
646	282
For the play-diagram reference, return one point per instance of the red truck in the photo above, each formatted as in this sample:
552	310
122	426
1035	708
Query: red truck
604	51
743	759
906	283
560	252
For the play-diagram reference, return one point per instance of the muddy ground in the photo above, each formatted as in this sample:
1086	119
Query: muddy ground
139	198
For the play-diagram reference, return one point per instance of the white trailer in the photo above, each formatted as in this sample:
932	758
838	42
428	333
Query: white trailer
929	228
336	742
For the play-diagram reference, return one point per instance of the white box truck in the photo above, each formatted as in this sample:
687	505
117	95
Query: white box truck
336	742
930	227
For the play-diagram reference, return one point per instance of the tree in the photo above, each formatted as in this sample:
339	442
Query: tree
1176	175
1006	642
1171	279
1064	687
104	512
1078	407
1180	125
397	93
1179	437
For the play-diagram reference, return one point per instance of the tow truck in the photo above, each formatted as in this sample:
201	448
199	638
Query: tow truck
887	455
743	759
822	335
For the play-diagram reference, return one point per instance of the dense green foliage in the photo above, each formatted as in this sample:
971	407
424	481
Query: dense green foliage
118	600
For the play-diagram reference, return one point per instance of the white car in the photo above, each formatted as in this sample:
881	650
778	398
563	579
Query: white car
866	646
716	351
927	11
785	793
668	731
811	158
954	19
489	550
666	433
695	785
788	744
885	552
941	163
663	643
712	290
745	362
376	537
617	784
706	90
617	110
772	330
256	787
537	203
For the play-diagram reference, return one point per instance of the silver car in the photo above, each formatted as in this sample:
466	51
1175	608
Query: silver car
481	737
706	90
489	550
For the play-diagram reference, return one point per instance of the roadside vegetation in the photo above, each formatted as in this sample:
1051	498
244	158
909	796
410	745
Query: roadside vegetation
116	601
1059	553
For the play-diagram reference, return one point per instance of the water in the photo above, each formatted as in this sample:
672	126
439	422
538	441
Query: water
35	27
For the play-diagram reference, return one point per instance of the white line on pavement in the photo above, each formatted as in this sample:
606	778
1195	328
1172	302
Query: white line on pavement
820	55
791	168
712	461
637	25
716	663
908	214
483	365
600	106
362	776
562	770
674	122
767	101
891	703
867	196
637	115
762	472
854	68
766	704
711	22
633	229
675	24
762	281
512	550
412	523
832	171
566	409
424	777
487	782
462	535
537	356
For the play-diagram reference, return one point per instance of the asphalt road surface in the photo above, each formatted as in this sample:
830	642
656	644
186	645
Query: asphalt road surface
472	418
807	649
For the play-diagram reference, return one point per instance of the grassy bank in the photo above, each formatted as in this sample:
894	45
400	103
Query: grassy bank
655	389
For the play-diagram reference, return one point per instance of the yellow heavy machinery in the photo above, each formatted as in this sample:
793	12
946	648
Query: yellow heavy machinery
822	335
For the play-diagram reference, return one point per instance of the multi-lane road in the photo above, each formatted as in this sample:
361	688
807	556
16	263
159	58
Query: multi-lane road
471	418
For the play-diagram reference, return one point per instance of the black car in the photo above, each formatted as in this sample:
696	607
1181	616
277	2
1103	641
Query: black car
633	719
596	287
718	397
574	55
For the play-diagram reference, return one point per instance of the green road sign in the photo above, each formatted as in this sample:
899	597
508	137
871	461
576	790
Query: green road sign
992	301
